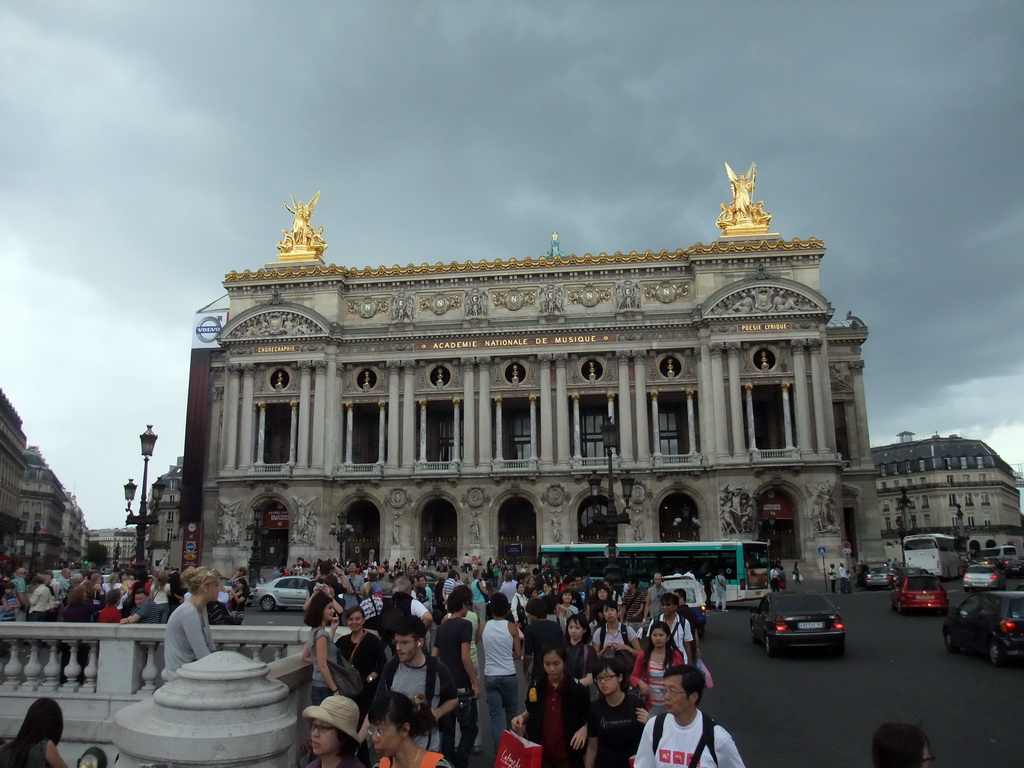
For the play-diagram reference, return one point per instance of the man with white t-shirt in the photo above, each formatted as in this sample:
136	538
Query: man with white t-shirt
679	628
685	736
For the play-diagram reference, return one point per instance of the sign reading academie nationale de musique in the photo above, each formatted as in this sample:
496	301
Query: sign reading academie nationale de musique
518	341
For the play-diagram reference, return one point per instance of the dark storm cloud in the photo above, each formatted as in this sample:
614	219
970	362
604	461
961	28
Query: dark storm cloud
148	150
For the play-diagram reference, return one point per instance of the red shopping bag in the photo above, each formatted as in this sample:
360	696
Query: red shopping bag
516	752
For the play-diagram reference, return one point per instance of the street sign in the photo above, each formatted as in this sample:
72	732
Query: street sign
822	550
847	545
847	551
190	546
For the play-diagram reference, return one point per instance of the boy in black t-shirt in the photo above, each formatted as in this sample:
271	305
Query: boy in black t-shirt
452	647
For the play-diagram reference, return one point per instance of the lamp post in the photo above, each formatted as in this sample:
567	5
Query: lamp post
901	525
117	554
257	531
142	521
611	519
340	531
961	538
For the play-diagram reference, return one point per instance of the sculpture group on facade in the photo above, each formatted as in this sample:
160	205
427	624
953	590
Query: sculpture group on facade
743	216
303	528
302	238
823	509
737	510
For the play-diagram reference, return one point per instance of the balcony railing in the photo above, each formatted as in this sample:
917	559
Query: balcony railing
374	469
594	462
436	467
678	460
514	465
270	469
775	455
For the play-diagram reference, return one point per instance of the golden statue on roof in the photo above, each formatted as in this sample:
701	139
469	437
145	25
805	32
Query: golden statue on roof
303	243
743	216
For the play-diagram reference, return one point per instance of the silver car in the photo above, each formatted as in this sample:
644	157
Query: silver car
983	577
283	592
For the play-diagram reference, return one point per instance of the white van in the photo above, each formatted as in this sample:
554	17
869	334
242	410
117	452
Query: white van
1003	551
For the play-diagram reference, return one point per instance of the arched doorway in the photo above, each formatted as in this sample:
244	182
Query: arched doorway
678	518
777	525
439	530
364	517
517	530
590	519
274	525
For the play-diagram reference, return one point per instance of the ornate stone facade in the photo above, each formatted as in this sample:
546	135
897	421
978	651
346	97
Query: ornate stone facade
457	408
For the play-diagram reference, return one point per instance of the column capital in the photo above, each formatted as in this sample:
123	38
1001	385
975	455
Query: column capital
318	365
623	355
382	404
785	386
749	388
533	399
856	366
248	368
814	345
263	406
423	405
349	407
497	400
236	368
561	359
393	365
716	347
456	401
798	344
733	348
654	396
294	404
690	393
575	397
611	397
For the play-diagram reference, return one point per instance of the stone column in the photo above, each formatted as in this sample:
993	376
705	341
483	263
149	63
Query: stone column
332	447
533	428
484	445
803	413
860	409
319	411
230	430
751	434
562	409
261	432
408	414
305	387
469	394
643	443
499	446
576	436
690	425
817	397
423	430
825	381
394	420
349	424
786	418
382	415
456	430
293	433
245	441
655	425
547	417
735	400
705	389
625	420
721	416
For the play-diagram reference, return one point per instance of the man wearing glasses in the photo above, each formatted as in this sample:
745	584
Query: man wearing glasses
685	735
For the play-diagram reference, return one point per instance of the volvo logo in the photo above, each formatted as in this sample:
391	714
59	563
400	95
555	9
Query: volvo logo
208	328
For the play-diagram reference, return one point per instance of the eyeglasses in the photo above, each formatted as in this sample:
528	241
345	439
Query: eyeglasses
318	727
376	730
606	678
675	692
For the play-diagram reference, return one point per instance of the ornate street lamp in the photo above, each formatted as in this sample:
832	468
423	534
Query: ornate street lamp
341	531
256	533
611	518
904	504
143	520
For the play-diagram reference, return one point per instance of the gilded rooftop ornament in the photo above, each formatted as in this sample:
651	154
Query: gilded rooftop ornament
743	216
303	243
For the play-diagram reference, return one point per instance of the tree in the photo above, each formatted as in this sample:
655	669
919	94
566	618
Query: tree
96	554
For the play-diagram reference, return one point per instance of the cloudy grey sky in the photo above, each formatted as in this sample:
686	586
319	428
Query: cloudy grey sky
147	149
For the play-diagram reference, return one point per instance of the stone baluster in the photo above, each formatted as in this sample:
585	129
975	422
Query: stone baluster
91	666
73	669
13	668
51	672
149	670
34	667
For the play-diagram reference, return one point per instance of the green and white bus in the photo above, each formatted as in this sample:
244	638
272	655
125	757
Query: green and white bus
745	563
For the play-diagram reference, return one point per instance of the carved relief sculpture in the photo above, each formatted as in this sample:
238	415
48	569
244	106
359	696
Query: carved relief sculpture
551	301
627	296
823	509
556	525
476	303
401	309
303	528
278	323
228	526
474	527
737	510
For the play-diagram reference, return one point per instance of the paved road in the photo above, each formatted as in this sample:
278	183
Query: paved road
818	711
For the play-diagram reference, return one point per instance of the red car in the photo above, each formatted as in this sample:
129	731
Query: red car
920	593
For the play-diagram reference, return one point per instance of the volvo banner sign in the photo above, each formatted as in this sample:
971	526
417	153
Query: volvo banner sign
207	327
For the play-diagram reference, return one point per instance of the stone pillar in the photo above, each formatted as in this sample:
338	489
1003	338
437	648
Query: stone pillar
577	437
319	411
382	418
625	420
332	449
349	425
562	409
221	711
261	432
751	434
817	397
305	387
423	430
719	416
293	433
499	447
408	415
456	430
656	424
786	418
245	441
690	425
230	431
484	445
643	443
469	394
860	412
735	400
825	380
547	417
803	413
533	428
394	421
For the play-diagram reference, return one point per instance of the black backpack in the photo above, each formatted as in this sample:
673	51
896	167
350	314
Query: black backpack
707	738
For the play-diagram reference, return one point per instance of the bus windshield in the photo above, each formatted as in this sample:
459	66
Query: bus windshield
913	544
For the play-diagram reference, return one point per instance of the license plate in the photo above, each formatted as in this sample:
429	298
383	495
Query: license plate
810	625
924	597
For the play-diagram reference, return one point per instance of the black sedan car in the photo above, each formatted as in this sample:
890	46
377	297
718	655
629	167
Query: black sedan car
992	623
797	621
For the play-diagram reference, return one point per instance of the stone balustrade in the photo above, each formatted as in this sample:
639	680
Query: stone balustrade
95	670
